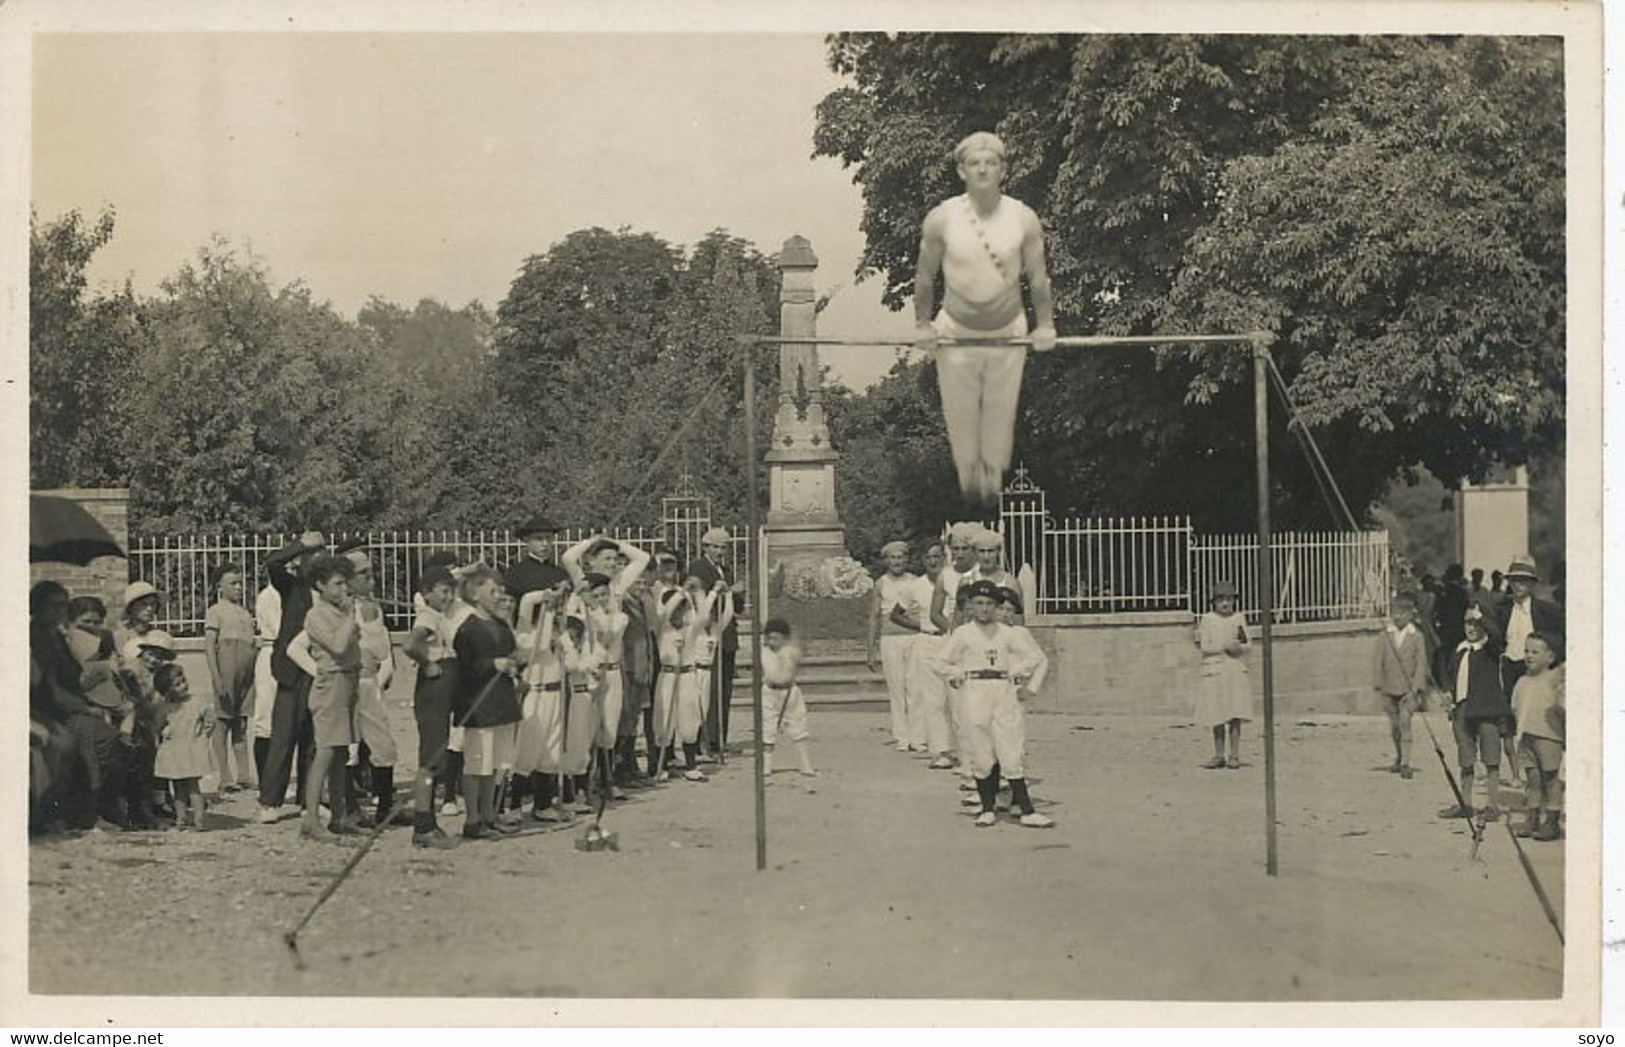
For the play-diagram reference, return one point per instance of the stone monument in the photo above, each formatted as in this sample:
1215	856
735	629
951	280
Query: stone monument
1492	520
802	523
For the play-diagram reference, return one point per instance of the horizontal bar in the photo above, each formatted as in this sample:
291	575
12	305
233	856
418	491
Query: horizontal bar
1065	342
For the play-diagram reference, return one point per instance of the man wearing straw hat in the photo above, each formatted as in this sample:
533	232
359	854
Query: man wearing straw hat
1521	614
983	242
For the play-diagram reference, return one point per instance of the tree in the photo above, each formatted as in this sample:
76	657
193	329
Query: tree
896	477
616	353
1391	208
81	355
246	417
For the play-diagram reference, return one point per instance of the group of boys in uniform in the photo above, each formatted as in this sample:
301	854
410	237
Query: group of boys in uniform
959	665
529	681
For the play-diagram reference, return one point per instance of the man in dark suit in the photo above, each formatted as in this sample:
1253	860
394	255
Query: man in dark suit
710	568
1520	614
536	569
291	730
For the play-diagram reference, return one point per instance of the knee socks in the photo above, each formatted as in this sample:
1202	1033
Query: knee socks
383	788
1018	795
988	789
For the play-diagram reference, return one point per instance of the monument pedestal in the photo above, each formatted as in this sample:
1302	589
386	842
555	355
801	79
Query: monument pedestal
802	524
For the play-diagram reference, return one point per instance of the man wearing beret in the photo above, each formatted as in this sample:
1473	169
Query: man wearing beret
712	567
1521	614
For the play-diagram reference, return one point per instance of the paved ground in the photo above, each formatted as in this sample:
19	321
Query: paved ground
1150	887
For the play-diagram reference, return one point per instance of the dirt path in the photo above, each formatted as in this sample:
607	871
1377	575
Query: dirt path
1150	887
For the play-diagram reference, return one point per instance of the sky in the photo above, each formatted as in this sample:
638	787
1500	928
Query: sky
431	164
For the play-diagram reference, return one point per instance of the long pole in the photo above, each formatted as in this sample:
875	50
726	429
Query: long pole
1064	342
1266	586
749	359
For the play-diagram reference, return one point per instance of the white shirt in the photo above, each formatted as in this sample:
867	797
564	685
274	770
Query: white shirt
268	615
920	594
1519	626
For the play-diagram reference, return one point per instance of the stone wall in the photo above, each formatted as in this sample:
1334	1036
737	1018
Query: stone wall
106	576
1148	663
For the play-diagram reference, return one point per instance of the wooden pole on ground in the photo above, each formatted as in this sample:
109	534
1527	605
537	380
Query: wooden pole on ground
1266	589
748	357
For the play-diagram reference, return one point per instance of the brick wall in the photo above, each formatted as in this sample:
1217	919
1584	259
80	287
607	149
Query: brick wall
1148	663
107	576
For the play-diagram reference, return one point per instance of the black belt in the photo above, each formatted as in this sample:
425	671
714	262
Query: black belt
707	665
579	688
988	674
546	686
676	669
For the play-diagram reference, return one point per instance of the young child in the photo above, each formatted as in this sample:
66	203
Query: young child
1399	674
582	659
429	647
377	670
228	648
335	651
1478	710
1224	698
700	633
540	748
183	745
486	702
783	706
1538	700
671	629
990	662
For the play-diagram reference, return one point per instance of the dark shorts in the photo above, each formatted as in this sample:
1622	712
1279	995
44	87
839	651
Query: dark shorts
1478	738
431	707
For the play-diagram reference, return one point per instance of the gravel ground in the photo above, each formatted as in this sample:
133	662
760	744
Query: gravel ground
1151	886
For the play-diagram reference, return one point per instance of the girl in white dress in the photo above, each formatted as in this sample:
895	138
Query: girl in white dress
1224	695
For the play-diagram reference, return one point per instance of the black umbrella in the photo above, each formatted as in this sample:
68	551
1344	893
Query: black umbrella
61	531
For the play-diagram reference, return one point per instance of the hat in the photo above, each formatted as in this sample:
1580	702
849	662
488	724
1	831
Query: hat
1224	588
1522	567
963	531
158	644
986	539
350	544
1010	596
1473	615
137	591
537	525
894	547
715	536
981	587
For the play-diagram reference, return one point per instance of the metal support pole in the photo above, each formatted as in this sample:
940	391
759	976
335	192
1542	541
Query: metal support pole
749	358
1266	588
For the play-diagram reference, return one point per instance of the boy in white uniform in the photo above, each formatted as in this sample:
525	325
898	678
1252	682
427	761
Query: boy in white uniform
982	242
783	706
989	661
